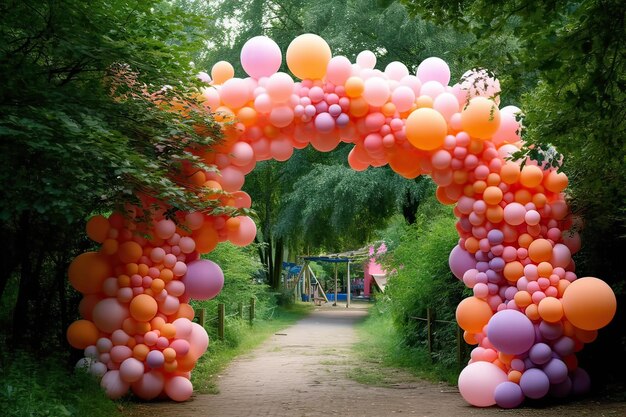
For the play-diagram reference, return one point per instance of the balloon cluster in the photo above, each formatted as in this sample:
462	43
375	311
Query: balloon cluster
529	312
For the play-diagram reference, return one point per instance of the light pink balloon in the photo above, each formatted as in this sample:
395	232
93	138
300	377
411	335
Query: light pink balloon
165	228
509	130
339	70
149	386
263	103
260	57
178	388
366	59
234	93
403	97
280	87
413	83
211	97
561	256
281	148
446	104
186	244
396	70
355	163
198	341
478	382
376	91
514	213
434	69
175	287
113	385
183	327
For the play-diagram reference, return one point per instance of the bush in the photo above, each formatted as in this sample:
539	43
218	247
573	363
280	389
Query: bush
32	387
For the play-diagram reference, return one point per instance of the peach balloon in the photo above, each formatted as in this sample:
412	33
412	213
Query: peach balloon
308	56
589	303
481	118
426	129
143	307
473	314
82	333
88	271
221	72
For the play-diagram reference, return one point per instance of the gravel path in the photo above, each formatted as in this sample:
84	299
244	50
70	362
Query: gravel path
302	372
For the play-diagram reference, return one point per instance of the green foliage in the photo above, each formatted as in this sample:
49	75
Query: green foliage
31	387
421	279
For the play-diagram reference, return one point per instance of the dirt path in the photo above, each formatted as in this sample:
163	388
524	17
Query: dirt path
302	372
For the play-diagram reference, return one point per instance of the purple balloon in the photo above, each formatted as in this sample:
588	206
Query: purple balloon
204	280
556	370
508	395
324	122
540	353
511	332
561	390
495	236
155	359
460	261
564	346
551	331
581	383
534	383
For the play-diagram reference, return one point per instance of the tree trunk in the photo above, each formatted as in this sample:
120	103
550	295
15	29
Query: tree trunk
278	264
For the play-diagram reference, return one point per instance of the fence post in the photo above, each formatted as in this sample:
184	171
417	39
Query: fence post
459	345
220	320
201	317
429	322
240	309
252	301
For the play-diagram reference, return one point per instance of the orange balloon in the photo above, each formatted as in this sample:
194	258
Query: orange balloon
532	312
556	181
143	308
531	176
510	172
513	271
98	228
140	351
551	309
354	87
481	118
184	311
426	129
82	333
522	299
129	252
206	238
523	196
359	107
589	303
247	116
540	250
495	214
87	272
492	195
470	338
168	330
473	314
515	376
308	56
221	72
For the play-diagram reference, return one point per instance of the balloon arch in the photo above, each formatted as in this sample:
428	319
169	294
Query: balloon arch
529	313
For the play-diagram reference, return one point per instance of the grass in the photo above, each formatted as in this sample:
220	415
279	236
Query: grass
34	387
240	339
383	352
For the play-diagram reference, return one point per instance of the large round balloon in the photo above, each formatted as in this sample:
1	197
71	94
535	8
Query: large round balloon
204	280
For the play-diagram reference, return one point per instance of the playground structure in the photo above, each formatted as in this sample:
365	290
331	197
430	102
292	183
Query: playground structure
305	285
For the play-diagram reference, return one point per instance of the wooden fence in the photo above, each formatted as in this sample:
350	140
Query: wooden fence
221	317
430	325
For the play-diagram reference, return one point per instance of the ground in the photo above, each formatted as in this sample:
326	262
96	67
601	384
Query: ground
304	371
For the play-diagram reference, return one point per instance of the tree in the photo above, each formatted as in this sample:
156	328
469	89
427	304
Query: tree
81	134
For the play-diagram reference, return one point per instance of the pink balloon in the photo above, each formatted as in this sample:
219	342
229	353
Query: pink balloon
178	388
246	232
281	116
232	179
234	93
413	83
446	104
281	148
165	228
175	287
561	256
376	91
211	97
432	89
262	103
396	70
109	314
280	87
204	279
131	370
509	130
198	341
241	154
355	163
461	261
403	97
149	386
260	57
434	69
366	59
183	327
181	346
514	214
113	385
324	122
339	70
478	382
